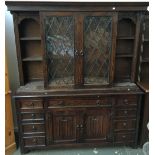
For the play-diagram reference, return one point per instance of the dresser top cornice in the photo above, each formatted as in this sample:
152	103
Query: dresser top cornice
75	6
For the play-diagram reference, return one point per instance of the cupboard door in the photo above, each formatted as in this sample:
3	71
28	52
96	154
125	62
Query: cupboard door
99	43
59	46
65	125
97	126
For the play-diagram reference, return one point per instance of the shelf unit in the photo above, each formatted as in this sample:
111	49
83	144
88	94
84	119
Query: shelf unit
30	47
124	48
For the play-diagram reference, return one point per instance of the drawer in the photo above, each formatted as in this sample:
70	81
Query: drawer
77	102
33	127
125	124
34	141
32	116
31	104
124	137
128	100
125	112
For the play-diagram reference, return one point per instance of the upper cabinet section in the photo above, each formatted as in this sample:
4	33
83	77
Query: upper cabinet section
78	44
78	48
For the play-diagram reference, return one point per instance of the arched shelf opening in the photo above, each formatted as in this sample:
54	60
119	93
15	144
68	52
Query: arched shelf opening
126	28
29	28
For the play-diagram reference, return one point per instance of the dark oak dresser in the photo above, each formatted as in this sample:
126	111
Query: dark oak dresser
80	66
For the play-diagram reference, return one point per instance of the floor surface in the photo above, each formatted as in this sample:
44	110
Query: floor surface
90	151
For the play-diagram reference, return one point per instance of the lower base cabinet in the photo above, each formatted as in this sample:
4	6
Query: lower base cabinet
75	121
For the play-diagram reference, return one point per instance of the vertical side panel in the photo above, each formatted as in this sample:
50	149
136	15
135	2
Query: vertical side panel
43	46
15	18
114	34
79	79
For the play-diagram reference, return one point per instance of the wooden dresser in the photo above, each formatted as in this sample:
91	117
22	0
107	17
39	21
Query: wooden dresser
10	144
78	68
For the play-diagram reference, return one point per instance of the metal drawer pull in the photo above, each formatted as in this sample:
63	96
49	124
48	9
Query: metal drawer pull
77	126
123	136
64	120
81	126
76	52
34	140
125	111
94	119
124	124
126	101
81	52
33	115
33	127
61	103
98	102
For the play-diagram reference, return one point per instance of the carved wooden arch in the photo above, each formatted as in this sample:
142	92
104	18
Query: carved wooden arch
21	19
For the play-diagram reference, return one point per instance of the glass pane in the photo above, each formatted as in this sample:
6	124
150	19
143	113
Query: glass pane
97	49
59	32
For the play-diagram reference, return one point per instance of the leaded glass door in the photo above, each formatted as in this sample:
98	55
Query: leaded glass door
79	48
99	41
59	47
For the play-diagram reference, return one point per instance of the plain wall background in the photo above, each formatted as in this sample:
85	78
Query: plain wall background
11	58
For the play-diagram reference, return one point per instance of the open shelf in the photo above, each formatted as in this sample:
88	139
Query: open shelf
32	71
33	58
30	38
125	47
29	27
31	49
126	28
123	69
125	37
124	56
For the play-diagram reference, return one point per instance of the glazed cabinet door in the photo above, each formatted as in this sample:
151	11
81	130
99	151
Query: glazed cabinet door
62	126
99	37
58	40
98	125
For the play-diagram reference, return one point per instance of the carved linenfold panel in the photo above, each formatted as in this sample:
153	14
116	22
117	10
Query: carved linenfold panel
98	124
59	33
97	49
65	129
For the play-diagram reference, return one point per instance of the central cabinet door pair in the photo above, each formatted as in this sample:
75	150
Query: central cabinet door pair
79	48
79	125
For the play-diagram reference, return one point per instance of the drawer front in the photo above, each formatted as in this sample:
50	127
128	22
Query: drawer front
29	128
124	125
32	116
31	104
125	112
34	141
128	100
77	102
124	137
